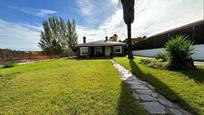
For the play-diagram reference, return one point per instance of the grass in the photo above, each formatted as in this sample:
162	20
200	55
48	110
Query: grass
183	87
65	86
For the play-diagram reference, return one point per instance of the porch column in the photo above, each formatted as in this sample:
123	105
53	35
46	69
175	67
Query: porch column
112	51
89	50
103	50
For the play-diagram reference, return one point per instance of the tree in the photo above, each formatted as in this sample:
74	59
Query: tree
58	36
114	38
72	36
128	16
51	36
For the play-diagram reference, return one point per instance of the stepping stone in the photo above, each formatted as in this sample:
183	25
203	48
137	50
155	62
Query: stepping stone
127	75
154	108
126	78
132	78
141	86
142	82
132	82
151	87
175	112
165	102
144	91
155	95
185	112
145	98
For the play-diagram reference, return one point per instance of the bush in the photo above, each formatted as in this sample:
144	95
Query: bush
145	61
67	53
153	63
11	63
180	50
162	55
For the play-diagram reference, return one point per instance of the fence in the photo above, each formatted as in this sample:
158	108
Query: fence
195	32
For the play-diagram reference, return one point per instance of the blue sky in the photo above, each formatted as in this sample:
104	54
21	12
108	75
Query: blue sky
20	20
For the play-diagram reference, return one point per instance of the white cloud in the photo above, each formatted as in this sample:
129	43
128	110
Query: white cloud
159	15
151	17
36	28
95	11
87	8
115	2
35	12
39	12
112	24
16	36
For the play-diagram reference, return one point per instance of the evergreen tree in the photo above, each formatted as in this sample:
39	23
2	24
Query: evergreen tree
58	36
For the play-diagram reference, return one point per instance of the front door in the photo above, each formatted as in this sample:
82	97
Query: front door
98	51
107	51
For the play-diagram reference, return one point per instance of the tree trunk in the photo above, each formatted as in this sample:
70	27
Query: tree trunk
130	55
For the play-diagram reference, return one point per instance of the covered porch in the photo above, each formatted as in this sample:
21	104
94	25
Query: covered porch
100	51
96	51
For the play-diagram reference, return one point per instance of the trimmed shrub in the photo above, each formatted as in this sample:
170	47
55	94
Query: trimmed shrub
153	63
145	61
162	55
180	50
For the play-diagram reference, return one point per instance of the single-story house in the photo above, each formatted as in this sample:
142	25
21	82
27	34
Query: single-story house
101	48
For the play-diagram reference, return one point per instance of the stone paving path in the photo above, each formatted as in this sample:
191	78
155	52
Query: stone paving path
153	102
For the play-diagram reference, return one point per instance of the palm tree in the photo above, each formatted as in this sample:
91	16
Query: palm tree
128	16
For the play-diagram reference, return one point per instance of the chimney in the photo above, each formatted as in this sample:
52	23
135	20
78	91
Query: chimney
84	39
106	38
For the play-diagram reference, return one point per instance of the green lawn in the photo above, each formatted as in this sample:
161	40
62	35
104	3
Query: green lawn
183	87
65	86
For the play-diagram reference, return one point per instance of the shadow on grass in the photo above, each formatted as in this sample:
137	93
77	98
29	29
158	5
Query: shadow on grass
160	86
127	104
196	74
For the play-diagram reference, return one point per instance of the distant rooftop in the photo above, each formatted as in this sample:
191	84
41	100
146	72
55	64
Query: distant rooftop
102	43
178	28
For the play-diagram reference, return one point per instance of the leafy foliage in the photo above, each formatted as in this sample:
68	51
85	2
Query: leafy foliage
180	50
57	36
113	38
71	35
128	10
153	63
162	55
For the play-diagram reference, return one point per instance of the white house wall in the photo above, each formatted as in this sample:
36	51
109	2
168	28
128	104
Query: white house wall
199	52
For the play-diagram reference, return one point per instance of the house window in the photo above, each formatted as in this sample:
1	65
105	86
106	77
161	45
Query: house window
84	51
98	50
118	49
